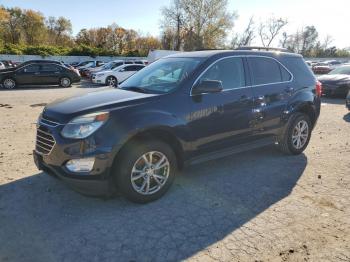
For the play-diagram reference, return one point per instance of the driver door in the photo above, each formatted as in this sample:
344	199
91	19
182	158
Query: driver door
223	119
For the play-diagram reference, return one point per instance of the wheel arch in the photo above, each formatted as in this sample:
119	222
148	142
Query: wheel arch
157	133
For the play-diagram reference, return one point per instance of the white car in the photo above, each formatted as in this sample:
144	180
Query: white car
2	65
117	75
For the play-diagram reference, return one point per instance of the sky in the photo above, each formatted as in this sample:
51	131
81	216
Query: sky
329	17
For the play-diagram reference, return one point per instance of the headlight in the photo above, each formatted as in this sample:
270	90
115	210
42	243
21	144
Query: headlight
83	126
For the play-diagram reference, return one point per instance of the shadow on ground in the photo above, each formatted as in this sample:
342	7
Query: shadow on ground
43	220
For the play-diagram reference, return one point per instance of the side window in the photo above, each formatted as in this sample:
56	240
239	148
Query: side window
49	68
31	69
264	70
130	68
229	71
286	76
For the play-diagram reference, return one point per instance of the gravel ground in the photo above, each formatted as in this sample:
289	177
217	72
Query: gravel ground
256	206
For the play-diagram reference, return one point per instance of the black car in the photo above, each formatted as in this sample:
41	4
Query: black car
38	72
348	100
336	82
182	109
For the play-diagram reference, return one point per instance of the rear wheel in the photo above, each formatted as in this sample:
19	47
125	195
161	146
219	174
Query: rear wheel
9	83
145	171
111	81
65	82
296	136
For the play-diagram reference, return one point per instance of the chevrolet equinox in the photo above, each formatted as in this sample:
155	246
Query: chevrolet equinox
182	109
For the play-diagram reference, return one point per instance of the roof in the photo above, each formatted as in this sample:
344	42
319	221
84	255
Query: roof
210	53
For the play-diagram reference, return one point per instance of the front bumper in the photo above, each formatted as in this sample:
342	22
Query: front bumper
91	185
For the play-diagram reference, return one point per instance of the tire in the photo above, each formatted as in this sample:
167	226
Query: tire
288	141
131	162
65	82
112	81
9	83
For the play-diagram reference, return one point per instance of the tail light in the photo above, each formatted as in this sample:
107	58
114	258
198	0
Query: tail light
318	88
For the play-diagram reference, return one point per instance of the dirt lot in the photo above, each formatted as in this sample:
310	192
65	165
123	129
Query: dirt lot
256	206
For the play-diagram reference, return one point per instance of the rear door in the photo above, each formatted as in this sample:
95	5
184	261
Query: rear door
271	84
220	120
50	73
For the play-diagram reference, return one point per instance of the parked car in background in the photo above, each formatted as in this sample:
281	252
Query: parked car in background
38	73
183	109
2	65
93	64
117	75
112	65
8	63
154	55
336	82
321	68
333	63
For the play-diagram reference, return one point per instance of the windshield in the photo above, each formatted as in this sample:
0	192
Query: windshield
162	76
344	70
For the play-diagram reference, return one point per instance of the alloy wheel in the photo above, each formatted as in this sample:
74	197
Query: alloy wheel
111	81
65	82
9	83
300	134
150	173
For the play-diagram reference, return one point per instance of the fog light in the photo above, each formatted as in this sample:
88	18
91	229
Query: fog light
81	165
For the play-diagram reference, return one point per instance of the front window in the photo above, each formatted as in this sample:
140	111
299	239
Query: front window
344	70
162	76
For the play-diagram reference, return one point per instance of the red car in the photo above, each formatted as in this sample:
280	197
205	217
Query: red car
321	69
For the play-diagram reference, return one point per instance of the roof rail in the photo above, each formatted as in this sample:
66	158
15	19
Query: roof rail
261	48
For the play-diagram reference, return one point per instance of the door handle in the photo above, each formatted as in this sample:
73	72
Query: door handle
37	73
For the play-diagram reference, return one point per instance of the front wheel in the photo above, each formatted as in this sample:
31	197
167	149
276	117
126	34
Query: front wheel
65	82
296	136
145	171
111	81
9	83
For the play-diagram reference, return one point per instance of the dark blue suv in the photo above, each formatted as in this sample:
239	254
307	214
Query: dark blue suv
182	109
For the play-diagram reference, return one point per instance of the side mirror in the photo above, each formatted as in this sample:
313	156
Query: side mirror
207	86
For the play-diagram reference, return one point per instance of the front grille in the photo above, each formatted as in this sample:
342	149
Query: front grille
44	141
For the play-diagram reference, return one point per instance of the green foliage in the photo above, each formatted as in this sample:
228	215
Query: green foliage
78	50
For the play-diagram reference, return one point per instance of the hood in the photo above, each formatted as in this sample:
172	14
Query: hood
333	78
63	110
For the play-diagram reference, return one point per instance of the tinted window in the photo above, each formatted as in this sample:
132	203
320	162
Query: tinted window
264	70
128	62
31	68
301	72
133	68
229	71
50	68
286	76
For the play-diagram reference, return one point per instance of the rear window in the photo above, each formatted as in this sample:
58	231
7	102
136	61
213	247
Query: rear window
301	72
264	70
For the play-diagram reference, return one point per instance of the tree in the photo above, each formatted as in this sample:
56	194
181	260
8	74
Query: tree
13	27
173	24
270	29
33	26
199	24
246	38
